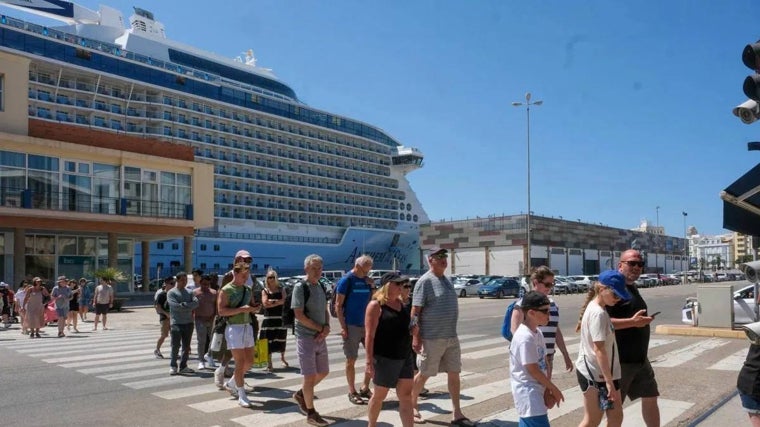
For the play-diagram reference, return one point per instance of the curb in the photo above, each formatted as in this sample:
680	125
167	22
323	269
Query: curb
696	331
704	416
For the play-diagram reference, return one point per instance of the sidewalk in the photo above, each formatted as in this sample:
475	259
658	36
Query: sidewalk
727	411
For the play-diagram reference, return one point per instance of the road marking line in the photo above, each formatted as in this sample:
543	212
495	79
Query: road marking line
573	401
684	354
733	362
669	410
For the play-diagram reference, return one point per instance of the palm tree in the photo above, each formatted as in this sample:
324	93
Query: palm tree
110	275
718	262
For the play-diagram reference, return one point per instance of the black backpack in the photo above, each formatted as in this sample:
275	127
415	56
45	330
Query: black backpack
288	314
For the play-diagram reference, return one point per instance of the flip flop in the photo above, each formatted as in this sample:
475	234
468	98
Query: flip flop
285	364
462	422
418	418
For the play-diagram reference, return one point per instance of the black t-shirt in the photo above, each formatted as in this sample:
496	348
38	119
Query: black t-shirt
748	381
163	303
632	343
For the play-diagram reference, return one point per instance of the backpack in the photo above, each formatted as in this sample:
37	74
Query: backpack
334	295
288	314
506	326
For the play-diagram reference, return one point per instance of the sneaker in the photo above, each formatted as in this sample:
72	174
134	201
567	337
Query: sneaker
298	397
173	371
243	399
186	371
219	377
158	354
37	335
231	387
210	363
201	366
316	420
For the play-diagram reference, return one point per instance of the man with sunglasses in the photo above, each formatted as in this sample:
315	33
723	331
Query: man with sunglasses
435	311
632	332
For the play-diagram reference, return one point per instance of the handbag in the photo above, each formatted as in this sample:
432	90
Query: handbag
261	358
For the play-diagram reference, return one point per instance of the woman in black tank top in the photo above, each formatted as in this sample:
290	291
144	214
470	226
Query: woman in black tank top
390	359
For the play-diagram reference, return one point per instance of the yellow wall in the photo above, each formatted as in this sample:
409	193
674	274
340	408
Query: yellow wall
14	117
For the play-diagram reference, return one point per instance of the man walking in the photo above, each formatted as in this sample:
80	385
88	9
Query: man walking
162	308
312	327
61	295
204	321
181	306
352	295
435	312
103	301
632	331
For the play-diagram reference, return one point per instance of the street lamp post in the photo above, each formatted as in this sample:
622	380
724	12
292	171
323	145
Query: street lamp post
657	239
685	249
527	105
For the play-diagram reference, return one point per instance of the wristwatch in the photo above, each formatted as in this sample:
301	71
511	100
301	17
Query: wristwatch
414	322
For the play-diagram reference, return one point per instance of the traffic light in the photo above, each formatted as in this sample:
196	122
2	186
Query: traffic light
749	111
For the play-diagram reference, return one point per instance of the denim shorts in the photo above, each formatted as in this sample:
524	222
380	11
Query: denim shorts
750	404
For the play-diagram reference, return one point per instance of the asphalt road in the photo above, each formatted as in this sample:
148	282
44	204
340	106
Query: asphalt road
42	389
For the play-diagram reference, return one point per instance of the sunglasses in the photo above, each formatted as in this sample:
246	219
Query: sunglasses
639	264
542	310
548	285
270	277
407	286
440	256
249	259
238	270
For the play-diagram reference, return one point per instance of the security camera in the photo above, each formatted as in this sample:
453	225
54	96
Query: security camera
751	270
753	332
748	112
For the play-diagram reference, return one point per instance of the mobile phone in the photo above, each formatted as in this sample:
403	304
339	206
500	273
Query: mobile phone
655	314
604	402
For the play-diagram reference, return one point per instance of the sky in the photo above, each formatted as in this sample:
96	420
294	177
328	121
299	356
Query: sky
637	96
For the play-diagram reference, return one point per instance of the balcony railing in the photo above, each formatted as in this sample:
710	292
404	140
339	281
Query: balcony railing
74	201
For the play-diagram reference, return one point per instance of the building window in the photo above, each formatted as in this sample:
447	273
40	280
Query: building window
216	248
159	245
203	247
175	246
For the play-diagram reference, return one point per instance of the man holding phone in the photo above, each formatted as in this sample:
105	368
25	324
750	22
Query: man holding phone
632	332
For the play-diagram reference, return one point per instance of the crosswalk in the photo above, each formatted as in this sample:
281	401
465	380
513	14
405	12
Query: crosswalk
126	357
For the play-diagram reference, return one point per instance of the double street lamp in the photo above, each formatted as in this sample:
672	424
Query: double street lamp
527	104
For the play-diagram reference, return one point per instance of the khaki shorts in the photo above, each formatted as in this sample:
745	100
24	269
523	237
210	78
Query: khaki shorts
439	355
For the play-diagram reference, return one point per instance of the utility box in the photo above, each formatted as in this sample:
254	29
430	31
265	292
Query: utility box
716	306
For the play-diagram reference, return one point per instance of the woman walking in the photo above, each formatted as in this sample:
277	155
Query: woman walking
389	348
598	367
20	295
85	298
272	328
74	305
35	309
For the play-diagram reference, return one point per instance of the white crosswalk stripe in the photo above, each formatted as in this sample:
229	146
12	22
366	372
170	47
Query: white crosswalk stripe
126	357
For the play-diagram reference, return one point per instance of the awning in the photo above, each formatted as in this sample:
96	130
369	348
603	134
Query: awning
741	204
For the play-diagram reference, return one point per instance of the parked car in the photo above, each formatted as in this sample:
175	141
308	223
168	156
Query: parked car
561	287
744	305
467	287
499	288
570	283
584	281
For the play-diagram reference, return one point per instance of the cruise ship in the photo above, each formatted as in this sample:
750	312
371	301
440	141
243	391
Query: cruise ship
289	179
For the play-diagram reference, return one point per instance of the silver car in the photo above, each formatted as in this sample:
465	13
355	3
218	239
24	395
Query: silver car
466	287
744	305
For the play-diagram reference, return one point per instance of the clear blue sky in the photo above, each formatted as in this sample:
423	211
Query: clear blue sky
637	95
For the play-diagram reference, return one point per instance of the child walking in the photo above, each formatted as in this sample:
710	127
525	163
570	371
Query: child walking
598	367
532	390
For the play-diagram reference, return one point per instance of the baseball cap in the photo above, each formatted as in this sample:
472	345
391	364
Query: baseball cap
168	279
3	285
61	278
243	254
392	277
436	250
615	280
533	300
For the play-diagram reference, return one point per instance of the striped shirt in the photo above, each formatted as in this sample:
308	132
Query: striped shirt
440	307
550	330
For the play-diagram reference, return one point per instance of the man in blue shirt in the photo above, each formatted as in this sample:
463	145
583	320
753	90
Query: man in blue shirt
352	296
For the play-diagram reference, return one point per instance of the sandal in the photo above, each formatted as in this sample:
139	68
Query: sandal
462	422
418	417
365	393
285	364
355	399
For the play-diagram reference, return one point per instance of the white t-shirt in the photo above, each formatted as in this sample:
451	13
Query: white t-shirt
20	294
527	347
595	327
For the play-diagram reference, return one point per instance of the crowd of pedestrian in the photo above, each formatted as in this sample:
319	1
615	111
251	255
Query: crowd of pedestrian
406	340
